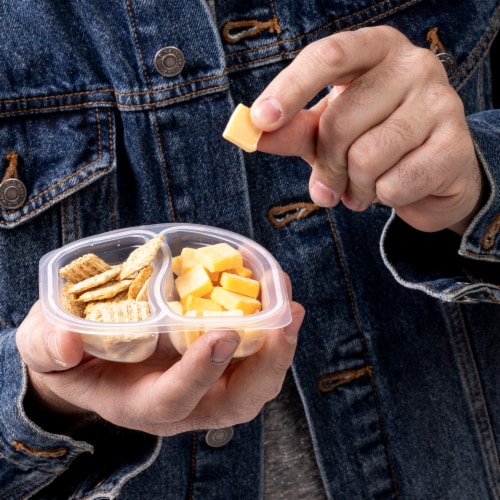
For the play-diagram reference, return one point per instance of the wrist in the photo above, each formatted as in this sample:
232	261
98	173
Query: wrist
52	413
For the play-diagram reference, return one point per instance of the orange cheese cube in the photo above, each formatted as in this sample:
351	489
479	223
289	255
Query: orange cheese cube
187	255
241	131
193	303
194	282
241	271
218	257
177	265
231	300
176	307
231	314
239	284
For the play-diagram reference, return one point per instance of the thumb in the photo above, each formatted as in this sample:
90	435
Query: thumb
43	347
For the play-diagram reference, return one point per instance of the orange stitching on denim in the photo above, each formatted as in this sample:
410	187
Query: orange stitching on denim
281	55
473	383
235	31
75	188
436	45
491	233
175	99
151	105
11	171
137	45
38	452
50	109
331	23
350	296
327	383
165	168
483	45
56	96
153	108
112	91
79	170
282	215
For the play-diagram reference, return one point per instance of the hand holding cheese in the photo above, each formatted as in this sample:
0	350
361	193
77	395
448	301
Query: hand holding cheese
212	281
241	131
392	129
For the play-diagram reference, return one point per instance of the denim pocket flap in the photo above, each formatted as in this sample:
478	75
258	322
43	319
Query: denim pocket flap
56	154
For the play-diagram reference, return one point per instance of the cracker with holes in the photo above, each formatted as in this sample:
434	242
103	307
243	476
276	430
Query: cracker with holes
106	291
141	257
95	281
139	281
98	291
84	267
120	312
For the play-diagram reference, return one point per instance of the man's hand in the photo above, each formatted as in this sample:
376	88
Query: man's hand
164	395
391	130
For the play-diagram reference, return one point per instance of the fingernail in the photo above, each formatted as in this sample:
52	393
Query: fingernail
290	337
266	112
322	195
53	347
351	202
223	350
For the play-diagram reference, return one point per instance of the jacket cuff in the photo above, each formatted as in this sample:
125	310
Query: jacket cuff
443	264
31	458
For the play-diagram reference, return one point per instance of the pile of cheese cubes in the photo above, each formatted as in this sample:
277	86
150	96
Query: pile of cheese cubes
213	281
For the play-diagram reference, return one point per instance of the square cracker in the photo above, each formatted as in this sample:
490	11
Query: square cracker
94	281
84	267
141	257
106	291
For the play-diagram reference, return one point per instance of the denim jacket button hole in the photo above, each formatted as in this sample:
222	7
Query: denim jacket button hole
216	438
169	61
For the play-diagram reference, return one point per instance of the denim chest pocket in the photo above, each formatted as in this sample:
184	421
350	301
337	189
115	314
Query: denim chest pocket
66	163
56	155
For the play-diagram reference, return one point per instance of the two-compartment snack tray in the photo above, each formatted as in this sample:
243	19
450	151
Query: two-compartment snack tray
124	331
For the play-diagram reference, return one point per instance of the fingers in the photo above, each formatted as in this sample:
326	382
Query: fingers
392	129
439	186
227	394
374	76
331	61
259	378
45	349
163	395
204	389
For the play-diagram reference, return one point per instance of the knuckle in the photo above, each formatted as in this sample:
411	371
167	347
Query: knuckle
330	51
387	193
360	160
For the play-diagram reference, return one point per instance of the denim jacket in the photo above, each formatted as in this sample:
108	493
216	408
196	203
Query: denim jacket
397	359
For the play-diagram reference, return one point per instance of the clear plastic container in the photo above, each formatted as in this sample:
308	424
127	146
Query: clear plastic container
137	340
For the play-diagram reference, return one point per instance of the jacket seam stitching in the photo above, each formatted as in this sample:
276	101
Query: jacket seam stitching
151	105
471	381
65	179
154	116
328	25
388	455
485	42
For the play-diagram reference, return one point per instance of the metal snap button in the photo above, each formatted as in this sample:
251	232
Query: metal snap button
219	437
169	61
449	63
12	193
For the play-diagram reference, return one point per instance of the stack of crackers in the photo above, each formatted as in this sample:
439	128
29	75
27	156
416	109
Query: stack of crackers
98	291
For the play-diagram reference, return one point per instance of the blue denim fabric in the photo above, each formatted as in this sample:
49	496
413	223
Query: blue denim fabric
400	387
